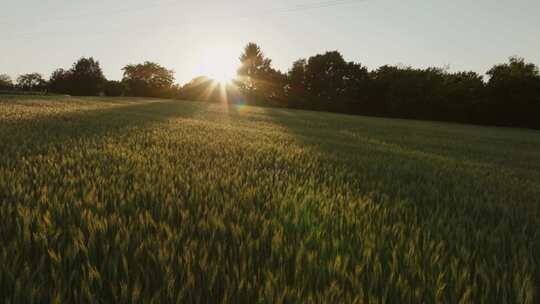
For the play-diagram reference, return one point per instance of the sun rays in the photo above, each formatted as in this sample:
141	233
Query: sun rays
216	64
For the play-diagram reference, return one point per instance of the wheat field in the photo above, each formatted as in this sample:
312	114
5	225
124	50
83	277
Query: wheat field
145	200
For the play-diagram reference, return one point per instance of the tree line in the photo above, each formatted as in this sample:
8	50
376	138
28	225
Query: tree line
326	82
86	78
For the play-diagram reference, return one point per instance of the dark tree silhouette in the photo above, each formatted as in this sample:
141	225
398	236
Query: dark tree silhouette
87	78
257	79
514	93
296	85
203	88
327	82
31	82
60	82
5	82
464	93
148	79
325	77
253	66
114	88
355	81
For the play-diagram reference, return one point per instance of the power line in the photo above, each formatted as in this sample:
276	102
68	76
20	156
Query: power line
309	6
103	13
277	11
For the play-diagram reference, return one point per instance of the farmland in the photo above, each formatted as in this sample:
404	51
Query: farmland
126	200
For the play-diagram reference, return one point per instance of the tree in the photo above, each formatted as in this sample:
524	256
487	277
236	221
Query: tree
296	84
60	81
515	69
253	66
114	88
148	79
514	91
297	75
329	81
325	77
31	82
203	88
87	78
257	79
200	88
355	88
5	82
464	97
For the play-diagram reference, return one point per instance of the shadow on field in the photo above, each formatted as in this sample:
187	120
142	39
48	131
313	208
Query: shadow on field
442	193
26	138
385	154
461	145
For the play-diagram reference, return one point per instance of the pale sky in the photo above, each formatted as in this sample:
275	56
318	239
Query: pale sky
206	37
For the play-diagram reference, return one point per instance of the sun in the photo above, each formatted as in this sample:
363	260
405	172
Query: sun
221	76
219	64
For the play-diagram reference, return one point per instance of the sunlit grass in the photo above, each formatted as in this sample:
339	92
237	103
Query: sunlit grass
124	200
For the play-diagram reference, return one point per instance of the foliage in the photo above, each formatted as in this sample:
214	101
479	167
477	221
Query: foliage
114	88
203	88
31	82
5	82
85	78
257	79
200	88
514	91
148	80
327	82
296	79
123	200
61	81
430	93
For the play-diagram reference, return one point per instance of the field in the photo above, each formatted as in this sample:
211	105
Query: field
126	200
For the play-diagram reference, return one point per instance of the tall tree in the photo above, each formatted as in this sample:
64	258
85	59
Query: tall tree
296	86
148	79
297	75
355	88
257	79
253	66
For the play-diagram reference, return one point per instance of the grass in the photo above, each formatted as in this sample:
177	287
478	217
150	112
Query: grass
17	92
131	200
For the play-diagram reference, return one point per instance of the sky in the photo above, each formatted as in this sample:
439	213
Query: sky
206	37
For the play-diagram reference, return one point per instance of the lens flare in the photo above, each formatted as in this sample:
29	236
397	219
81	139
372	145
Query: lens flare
241	107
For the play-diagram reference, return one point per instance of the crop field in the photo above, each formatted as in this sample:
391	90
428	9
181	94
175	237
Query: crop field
133	200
